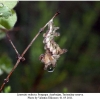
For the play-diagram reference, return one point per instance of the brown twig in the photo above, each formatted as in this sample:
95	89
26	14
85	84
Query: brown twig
22	55
7	34
12	44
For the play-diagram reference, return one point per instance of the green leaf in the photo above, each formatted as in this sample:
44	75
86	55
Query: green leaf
2	34
10	4
8	23
1	72
4	11
7	89
5	64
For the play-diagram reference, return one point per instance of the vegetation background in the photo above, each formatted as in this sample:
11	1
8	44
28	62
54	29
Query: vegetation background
78	70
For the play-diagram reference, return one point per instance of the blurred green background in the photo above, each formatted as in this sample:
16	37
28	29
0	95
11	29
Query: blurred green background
78	70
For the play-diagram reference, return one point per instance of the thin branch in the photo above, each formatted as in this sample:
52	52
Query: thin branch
7	78
37	35
21	57
12	44
7	34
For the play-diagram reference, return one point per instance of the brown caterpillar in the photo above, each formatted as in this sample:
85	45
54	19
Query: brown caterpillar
53	51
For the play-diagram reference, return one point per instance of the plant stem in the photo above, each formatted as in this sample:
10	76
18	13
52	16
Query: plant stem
12	44
22	55
7	34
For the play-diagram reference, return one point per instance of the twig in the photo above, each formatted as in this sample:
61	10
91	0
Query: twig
7	34
21	57
12	44
37	35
